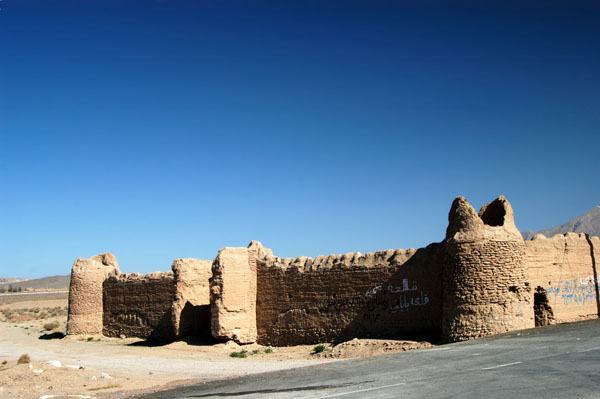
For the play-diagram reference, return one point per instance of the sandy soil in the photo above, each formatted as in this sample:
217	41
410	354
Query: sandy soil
115	368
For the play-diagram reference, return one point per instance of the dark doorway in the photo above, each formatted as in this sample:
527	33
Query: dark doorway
544	316
195	321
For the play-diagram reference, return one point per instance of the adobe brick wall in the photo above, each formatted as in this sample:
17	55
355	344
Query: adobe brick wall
138	305
394	293
563	266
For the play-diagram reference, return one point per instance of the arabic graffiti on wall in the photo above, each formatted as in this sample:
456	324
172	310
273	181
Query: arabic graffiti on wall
578	291
400	298
381	299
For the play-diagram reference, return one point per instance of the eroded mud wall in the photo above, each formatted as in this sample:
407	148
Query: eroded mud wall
191	308
138	305
392	294
564	267
233	295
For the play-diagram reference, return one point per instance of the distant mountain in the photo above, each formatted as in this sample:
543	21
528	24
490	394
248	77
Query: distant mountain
51	283
11	280
587	223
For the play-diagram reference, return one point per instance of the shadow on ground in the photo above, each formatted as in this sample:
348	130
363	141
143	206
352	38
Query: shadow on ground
54	335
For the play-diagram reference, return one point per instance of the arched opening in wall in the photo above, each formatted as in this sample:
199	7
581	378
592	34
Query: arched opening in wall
493	213
544	315
195	321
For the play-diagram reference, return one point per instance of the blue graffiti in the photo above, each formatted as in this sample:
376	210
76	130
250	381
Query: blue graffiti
579	291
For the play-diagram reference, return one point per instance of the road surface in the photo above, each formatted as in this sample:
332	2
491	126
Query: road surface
554	362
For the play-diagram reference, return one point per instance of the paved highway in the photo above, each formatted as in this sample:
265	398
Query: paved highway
555	362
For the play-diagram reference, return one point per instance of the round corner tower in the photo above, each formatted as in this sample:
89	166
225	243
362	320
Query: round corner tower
484	287
85	293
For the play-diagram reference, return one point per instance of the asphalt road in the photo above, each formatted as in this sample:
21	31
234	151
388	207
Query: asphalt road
556	362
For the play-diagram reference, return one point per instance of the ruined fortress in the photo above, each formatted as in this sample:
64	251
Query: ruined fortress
482	279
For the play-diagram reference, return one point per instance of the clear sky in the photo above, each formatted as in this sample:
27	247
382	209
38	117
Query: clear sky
166	129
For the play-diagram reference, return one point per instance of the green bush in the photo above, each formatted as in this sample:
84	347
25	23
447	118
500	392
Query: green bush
240	354
319	349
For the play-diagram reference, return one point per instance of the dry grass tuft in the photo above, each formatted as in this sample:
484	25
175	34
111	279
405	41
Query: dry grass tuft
106	387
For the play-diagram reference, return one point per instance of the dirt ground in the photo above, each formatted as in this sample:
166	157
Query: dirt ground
100	367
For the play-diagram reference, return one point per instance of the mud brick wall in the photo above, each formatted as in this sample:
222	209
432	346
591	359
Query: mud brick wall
139	305
563	269
392	294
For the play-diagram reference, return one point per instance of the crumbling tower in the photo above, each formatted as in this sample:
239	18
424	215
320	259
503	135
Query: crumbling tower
85	293
484	288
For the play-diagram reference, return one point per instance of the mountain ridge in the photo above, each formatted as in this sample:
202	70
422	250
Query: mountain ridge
588	223
51	282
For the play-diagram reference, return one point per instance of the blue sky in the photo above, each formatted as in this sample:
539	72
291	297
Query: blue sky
166	129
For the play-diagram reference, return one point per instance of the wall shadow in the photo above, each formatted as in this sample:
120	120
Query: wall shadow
194	321
407	306
194	325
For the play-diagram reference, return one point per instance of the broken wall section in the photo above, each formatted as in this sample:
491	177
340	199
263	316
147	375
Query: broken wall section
386	294
563	268
138	305
233	295
191	307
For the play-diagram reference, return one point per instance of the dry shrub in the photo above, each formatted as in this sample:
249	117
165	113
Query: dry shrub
51	325
24	359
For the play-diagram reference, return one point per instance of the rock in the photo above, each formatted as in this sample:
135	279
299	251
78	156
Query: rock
55	363
24	359
105	375
232	345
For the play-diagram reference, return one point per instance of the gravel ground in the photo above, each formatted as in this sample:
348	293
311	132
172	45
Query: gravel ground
116	368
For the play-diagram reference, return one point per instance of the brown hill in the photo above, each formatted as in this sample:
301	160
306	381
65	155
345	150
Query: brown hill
50	283
588	223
